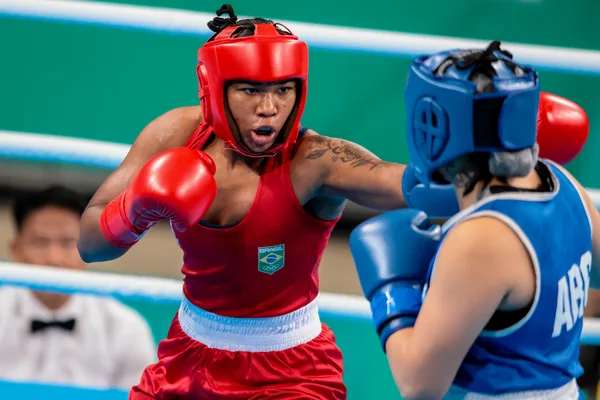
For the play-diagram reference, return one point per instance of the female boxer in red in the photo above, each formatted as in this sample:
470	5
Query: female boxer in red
252	199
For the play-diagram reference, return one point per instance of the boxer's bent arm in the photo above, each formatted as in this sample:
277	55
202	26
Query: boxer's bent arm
168	131
474	272
353	172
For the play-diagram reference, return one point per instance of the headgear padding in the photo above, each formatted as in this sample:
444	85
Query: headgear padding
265	56
466	101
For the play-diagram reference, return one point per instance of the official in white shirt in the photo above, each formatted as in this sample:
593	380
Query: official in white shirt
56	338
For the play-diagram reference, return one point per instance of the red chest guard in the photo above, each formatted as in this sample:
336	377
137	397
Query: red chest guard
267	264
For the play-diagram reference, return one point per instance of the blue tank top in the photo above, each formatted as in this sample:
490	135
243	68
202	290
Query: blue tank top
540	350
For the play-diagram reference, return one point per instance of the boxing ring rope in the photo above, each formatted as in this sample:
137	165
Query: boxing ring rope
94	153
337	38
169	291
47	148
146	288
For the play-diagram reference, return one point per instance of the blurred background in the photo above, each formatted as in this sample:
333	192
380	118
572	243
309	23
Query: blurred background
103	83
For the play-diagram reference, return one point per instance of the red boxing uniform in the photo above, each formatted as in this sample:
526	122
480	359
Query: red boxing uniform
263	272
248	326
267	264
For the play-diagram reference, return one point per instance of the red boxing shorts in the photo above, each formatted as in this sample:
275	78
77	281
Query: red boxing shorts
207	356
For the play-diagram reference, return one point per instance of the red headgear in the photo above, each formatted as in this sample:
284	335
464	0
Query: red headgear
266	56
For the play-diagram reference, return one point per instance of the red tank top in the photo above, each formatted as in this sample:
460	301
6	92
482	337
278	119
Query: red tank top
267	264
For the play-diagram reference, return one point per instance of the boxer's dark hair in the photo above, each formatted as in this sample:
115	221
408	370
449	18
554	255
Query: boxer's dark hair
246	26
468	170
54	196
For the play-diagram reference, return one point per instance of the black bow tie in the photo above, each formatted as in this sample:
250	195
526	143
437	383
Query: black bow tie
38	326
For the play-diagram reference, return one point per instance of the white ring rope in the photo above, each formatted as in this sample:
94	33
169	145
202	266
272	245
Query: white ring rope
169	291
317	36
49	148
143	288
129	287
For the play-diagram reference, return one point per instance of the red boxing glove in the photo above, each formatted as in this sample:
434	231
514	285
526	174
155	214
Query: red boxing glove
177	184
563	128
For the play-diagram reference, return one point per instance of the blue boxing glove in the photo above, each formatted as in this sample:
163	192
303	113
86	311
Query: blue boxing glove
392	253
437	200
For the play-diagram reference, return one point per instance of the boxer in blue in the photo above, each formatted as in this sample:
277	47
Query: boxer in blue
490	304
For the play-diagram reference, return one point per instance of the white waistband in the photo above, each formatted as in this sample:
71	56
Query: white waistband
250	334
568	391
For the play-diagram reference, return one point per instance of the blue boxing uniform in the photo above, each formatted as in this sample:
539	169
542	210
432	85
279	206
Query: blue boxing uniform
471	127
535	349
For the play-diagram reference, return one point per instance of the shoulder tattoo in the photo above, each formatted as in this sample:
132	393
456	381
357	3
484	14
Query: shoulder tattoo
344	152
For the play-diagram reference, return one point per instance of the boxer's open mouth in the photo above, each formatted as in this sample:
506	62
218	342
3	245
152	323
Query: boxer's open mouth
264	130
263	134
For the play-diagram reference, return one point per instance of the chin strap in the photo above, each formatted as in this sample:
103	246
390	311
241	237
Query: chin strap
230	147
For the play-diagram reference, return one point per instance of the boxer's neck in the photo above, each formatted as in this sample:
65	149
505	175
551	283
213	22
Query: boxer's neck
531	181
234	158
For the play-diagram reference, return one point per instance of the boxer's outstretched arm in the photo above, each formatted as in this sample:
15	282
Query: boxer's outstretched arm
168	131
353	172
477	264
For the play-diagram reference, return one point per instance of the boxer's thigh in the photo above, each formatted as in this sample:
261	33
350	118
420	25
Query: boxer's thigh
163	382
181	362
313	370
138	393
302	391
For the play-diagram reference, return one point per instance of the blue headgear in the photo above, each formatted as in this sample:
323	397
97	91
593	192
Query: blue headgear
466	101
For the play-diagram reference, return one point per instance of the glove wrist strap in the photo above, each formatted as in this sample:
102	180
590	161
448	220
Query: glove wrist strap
394	326
116	227
396	306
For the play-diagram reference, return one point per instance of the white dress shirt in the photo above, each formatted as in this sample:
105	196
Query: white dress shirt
110	344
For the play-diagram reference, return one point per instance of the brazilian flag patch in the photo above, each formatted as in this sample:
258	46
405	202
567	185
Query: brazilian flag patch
271	259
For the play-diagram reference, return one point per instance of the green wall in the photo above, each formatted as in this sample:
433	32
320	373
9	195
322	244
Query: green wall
106	83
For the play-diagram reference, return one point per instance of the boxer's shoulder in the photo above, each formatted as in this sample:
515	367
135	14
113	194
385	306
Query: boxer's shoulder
308	170
482	233
315	157
168	131
320	150
486	244
307	159
308	140
175	127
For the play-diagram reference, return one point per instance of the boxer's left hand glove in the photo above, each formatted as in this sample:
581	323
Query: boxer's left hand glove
436	200
392	253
